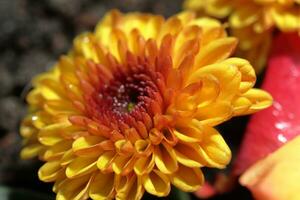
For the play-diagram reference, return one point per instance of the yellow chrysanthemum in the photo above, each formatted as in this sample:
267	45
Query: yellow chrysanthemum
253	22
133	106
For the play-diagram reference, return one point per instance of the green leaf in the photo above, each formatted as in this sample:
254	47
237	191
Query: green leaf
9	193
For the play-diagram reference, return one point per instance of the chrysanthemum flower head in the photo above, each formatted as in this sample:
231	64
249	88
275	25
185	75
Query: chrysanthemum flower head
133	106
253	22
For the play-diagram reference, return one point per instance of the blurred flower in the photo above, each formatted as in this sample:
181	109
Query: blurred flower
283	118
253	22
133	106
276	177
215	8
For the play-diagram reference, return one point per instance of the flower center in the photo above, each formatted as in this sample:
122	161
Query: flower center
122	95
126	95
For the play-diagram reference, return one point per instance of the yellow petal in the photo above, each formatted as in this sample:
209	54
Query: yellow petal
144	165
188	134
215	150
67	157
75	189
248	74
57	150
143	147
31	151
87	145
225	73
245	16
102	186
200	93
84	44
129	187
157	183
287	19
187	42
81	166
215	113
165	158
49	171
105	160
219	8
259	100
215	51
276	176
187	179
206	23
123	164
241	105
189	155
50	135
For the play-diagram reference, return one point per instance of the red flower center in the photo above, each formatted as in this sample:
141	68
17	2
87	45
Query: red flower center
127	96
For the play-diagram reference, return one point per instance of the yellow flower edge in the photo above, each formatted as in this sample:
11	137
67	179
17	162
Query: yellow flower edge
132	107
252	22
277	175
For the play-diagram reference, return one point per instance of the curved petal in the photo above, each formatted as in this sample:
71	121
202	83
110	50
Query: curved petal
50	135
215	150
31	151
187	179
123	164
81	166
75	189
227	75
259	100
102	186
189	155
49	171
188	134
87	145
248	74
165	159
240	105
131	188
105	160
157	183
57	150
215	52
144	165
215	113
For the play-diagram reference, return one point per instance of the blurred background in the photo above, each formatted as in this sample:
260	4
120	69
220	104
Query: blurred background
33	34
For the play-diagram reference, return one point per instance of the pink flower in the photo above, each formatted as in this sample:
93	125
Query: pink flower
269	158
272	128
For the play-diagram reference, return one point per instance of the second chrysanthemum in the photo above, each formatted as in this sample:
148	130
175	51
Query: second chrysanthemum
133	106
253	22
